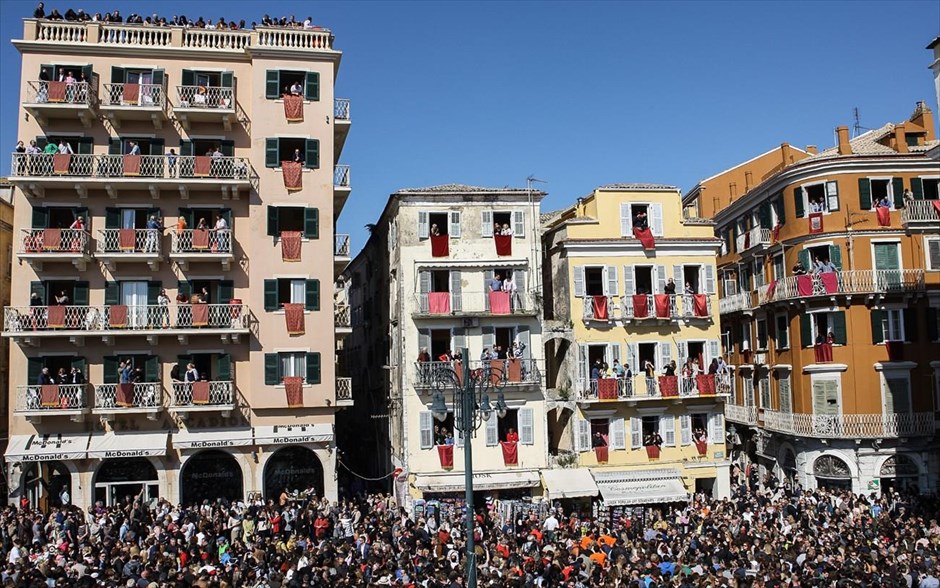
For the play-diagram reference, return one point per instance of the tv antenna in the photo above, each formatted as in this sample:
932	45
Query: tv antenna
858	123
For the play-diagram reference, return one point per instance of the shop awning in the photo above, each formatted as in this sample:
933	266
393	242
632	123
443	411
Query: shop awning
569	483
640	487
212	439
292	434
47	447
116	445
481	481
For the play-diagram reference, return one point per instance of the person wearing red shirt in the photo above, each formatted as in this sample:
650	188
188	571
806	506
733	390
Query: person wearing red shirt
320	526
512	436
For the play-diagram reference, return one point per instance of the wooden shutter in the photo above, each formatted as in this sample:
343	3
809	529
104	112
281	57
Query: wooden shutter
518	223
665	353
458	339
611	281
526	426
153	291
311	153
453	224
112	218
182	287
933	254
186	148
656	219
798	206
157	77
80	293
312	295
86	145
897	396
486	223
806	330
897	196
188	77
112	293
613	351
584	369
618	434
685	429
426	429
152	369
424	341
489	337
227	147
629	284
803	256
492	431
917	188
636	432
780	209
764	216
835	256
667	428
877	327
579	281
226	291
272	149
864	193
110	366
633	354
270	295
312	86
626	221
583	435
313	368
522	336
272	376
223	367
272	84
423	225
117	75
838	327
783	332
40	217
273	221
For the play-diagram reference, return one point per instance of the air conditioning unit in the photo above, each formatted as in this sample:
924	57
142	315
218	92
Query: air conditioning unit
471	322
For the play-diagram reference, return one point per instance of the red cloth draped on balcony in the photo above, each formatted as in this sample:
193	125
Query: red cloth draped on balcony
497	371
200	239
124	395
200	314
201	392
132	165
290	245
602	454
706	383
514	370
57	91
510	452
771	290
775	234
458	371
646	237
294	389
700	304
293	172
51	239
499	303
294	317
895	350
815	222
131	93
61	163
49	396
936	204
440	246
607	388
439	302
823	352
702	446
652	451
599	307
294	107
117	315
830	281
641	307
446	454
669	386
127	239
55	317
804	285
661	302
884	216
503	244
202	166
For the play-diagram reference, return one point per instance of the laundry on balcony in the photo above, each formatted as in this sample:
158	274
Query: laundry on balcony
499	303
440	246
669	386
290	245
607	388
706	383
127	239
202	166
652	451
201	392
51	239
124	395
200	315
61	163
700	304
446	454
830	281
645	236
117	316
55	317
293	172
132	165
804	285
503	244
510	452
601	453
884	216
294	107
771	291
294	389
49	396
641	307
57	91
661	302
823	352
815	222
294	317
130	94
439	302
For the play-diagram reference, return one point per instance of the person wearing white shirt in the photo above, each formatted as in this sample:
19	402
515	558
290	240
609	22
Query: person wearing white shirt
65	148
308	23
221	233
296	89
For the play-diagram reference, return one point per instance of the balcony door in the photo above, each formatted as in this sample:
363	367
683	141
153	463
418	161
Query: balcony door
896	397
826	407
134	296
886	260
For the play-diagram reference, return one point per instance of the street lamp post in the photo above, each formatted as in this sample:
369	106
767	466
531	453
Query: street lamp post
470	401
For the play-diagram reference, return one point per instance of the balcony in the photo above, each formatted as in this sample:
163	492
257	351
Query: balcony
35	402
341	124
30	324
134	102
35	173
119	399
642	388
746	415
342	319
740	302
600	308
201	245
505	373
344	395
204	104
47	101
341	188
920	213
754	238
340	253
38	246
129	245
438	304
851	426
867	282
202	397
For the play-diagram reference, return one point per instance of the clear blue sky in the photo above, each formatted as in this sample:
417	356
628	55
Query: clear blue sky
580	94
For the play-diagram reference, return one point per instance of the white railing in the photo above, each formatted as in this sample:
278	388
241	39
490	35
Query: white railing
141	395
629	306
639	386
850	282
213	241
220	394
148	95
51	398
57	241
341	176
209	97
588	314
427	372
124	318
920	211
216	39
124	241
851	426
342	317
752	238
60	32
344	389
135	35
341	245
145	166
341	108
471	302
746	415
37	92
734	303
311	40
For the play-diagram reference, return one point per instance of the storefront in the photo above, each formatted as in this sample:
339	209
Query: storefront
898	472
209	468
39	468
573	489
624	493
451	488
294	465
125	472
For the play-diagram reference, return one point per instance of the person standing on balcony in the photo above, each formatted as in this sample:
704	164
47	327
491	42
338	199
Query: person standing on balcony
163	309
509	286
799	269
192	375
670	288
908	197
688	294
77	376
64	148
824	267
62	299
171	162
154	230
133	148
495	283
221	233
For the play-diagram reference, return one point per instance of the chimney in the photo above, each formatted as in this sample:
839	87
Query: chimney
748	181
812	150
923	117
845	148
786	154
900	141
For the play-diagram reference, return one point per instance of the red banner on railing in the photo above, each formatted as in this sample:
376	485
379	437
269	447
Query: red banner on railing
646	237
510	453
669	386
936	205
771	290
503	244
823	352
440	246
599	307
117	316
294	389
51	239
200	314
706	383
294	107
124	395
49	396
201	392
202	166
641	307
700	304
607	388
652	451
131	93
201	239
127	239
514	370
61	163
294	317
702	446
439	302
499	302
56	91
446	454
602	454
132	165
291	245
55	317
804	285
661	302
830	281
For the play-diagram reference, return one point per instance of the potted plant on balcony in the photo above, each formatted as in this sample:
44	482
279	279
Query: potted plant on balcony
653	442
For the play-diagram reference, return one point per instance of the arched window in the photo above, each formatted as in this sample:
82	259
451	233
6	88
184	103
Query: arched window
209	475
295	468
899	466
831	467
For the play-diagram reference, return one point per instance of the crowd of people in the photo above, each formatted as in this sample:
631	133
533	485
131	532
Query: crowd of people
772	537
156	20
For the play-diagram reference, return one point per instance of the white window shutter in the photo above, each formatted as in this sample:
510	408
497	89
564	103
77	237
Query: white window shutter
522	336
665	354
618	436
614	350
579	281
678	276
518	223
489	338
526	426
458	338
685	433
626	221
519	277
583	369
633	354
709	279
716	427
714	351
629	284
424	229
636	432
424	340
486	223
584	435
492	431
657	219
667	428
832	194
425	425
682	350
453	224
660	279
612	280
455	287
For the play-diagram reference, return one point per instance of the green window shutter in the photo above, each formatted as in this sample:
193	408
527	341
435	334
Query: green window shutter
228	148
153	291
40	217
312	298
80	364
38	288
312	153
228	79
33	369
835	256
910	324
86	145
312	85
313	368
158	76
270	295
877	331
114	146
764	214
110	366
273	228
781	209
227	215
932	331
783	339
864	193
152	369
186	148
82	211
838	327
917	187
312	223
188	78
112	293
271	375
117	75
41	142
271	152
80	293
183	287
806	330
223	367
112	218
798	202
272	84
226	291
181	362
156	146
803	256
898	184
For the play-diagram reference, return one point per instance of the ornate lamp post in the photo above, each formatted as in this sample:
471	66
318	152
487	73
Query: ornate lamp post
469	392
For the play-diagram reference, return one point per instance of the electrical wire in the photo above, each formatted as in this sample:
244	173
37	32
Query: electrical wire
361	477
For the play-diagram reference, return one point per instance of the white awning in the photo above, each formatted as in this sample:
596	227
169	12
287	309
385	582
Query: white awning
116	445
481	481
292	434
569	483
640	487
47	447
212	439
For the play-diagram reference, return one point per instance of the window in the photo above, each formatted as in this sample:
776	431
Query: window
207	79
761	334
641	215
817	326
278	149
764	386
777	210
891	325
782	331
491	221
439	224
144	368
600	432
58	72
58	217
897	393
79	145
933	253
745	336
278	366
784	393
926	188
279	82
758	273
278	292
778	268
819	197
871	191
826	396
294	218
823	254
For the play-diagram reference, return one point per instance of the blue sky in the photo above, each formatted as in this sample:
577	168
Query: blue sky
581	93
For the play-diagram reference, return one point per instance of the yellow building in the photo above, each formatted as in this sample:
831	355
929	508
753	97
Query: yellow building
614	301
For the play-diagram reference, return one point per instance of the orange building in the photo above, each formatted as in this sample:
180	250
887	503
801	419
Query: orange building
830	311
